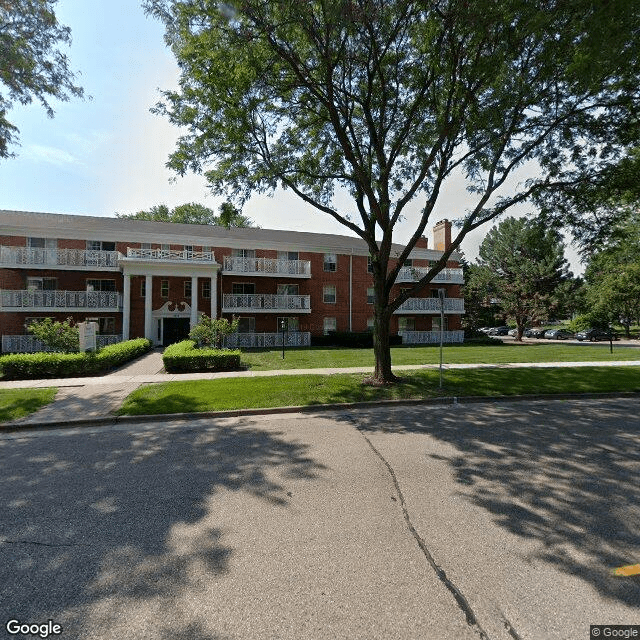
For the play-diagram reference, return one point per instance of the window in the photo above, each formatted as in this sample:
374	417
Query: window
244	253
329	294
330	262
42	243
143	287
370	324
206	249
329	324
187	288
369	264
146	245
408	263
406	324
287	255
101	285
246	325
164	288
435	324
165	247
99	245
206	289
188	247
434	293
106	326
288	289
243	288
290	324
371	295
42	284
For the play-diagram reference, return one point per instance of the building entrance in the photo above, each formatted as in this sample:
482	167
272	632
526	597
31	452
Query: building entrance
174	330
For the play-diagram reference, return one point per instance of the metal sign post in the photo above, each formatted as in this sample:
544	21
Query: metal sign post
283	326
441	293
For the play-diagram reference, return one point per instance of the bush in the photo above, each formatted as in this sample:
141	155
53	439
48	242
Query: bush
183	357
350	339
60	336
24	366
210	332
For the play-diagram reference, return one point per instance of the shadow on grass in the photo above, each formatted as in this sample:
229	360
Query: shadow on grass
115	533
565	474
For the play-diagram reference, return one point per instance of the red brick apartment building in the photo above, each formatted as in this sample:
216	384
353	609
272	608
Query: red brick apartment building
137	278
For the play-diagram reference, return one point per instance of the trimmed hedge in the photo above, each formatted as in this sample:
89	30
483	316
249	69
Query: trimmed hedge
183	357
351	339
24	366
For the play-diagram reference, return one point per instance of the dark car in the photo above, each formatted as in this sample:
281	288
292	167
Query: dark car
558	334
593	335
534	333
499	331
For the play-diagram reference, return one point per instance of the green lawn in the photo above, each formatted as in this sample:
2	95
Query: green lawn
17	403
278	391
311	358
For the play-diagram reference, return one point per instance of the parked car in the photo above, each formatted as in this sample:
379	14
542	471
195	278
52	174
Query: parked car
498	331
513	332
558	334
593	335
534	333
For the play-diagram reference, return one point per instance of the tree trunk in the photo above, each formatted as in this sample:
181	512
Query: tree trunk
382	374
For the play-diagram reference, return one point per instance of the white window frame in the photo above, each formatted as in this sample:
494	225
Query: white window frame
435	323
100	280
369	264
206	289
243	253
42	243
293	323
31	282
406	323
371	295
288	290
327	296
164	285
330	262
250	320
329	324
187	288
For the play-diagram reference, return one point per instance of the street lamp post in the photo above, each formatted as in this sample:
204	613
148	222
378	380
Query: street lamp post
441	293
283	328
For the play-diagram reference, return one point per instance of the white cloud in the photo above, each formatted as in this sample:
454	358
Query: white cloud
51	155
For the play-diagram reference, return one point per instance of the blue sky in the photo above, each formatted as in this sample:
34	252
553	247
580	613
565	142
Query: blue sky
107	154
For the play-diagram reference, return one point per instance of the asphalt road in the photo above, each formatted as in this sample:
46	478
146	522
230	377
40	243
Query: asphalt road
498	520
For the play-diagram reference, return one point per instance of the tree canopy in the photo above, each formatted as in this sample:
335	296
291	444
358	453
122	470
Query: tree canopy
192	213
31	63
387	100
522	266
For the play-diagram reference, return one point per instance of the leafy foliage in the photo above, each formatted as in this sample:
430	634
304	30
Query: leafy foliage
31	64
192	213
521	267
60	336
183	357
210	332
24	366
387	101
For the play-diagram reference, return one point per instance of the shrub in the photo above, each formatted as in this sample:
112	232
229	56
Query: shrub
60	336
209	332
23	366
183	357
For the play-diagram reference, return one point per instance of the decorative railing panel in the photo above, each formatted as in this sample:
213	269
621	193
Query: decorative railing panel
29	344
267	266
430	337
81	258
59	299
432	305
265	302
413	274
170	254
267	340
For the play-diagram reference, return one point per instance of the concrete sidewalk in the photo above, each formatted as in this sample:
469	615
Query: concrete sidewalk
98	397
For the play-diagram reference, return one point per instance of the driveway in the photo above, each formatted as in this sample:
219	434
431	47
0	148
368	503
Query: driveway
495	520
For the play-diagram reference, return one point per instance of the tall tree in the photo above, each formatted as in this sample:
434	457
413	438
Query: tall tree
31	63
192	213
386	100
522	265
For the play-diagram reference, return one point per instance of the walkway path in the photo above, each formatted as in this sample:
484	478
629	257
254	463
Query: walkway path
98	397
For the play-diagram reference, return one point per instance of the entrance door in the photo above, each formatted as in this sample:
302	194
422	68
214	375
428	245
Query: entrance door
174	330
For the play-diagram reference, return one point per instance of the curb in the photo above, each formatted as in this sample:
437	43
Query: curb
12	427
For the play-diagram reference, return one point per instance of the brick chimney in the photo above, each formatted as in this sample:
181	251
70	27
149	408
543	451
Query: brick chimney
422	243
442	235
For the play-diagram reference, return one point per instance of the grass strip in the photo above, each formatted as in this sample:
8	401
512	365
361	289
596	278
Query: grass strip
281	391
311	358
17	403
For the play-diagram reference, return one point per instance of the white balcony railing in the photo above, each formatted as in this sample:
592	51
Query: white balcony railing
266	340
170	255
430	337
17	300
267	266
81	258
29	344
413	274
431	305
260	302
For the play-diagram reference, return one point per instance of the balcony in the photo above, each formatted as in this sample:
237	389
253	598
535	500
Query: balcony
33	258
59	300
431	305
30	344
431	337
267	340
447	276
168	255
265	303
267	267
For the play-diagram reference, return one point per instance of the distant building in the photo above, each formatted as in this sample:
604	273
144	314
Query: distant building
138	278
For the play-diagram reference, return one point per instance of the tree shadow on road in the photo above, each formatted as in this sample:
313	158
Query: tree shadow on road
564	474
114	529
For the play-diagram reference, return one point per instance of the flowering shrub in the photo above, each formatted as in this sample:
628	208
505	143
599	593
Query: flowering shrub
208	333
60	336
